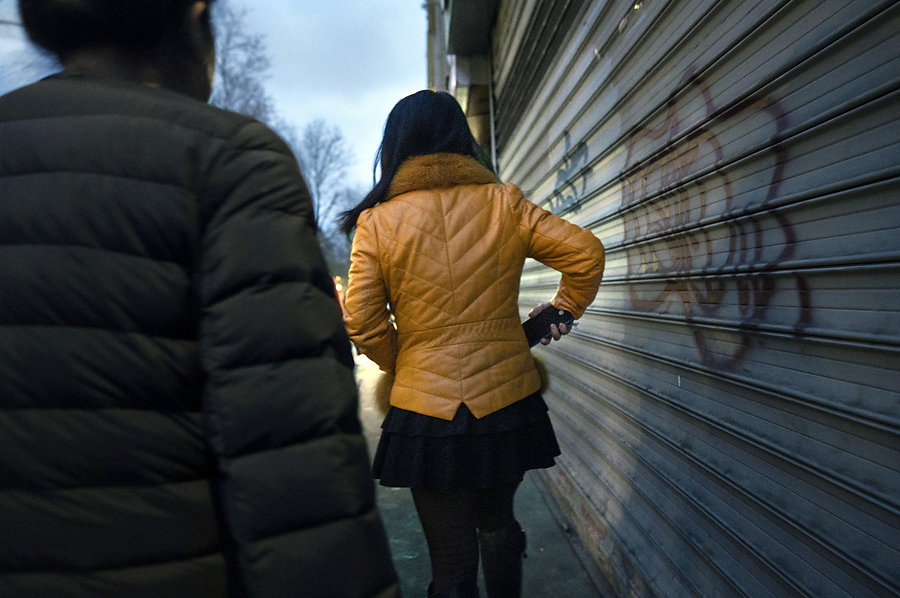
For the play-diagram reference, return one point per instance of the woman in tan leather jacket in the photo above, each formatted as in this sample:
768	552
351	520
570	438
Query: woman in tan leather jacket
433	299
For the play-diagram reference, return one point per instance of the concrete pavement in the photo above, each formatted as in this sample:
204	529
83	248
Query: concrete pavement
552	568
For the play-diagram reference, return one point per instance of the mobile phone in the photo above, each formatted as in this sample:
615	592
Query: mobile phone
538	327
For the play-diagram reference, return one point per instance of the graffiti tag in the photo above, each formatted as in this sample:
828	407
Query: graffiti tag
671	197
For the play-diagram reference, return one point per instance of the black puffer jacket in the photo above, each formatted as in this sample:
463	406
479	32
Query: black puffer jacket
177	404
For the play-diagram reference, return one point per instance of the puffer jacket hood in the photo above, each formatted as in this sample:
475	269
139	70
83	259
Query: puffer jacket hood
434	284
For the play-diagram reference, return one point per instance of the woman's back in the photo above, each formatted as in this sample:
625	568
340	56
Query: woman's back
433	299
455	256
448	248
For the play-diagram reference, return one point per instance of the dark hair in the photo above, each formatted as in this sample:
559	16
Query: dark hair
426	122
67	26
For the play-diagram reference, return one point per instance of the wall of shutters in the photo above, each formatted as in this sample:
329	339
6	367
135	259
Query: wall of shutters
729	407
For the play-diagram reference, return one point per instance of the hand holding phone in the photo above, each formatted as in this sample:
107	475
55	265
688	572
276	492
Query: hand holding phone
538	327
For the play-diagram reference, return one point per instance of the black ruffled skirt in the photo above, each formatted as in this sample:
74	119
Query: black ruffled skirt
419	451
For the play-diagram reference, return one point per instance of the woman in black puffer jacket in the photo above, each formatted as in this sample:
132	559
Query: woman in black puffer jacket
178	412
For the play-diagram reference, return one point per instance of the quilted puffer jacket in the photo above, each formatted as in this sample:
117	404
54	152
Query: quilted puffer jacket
178	412
434	284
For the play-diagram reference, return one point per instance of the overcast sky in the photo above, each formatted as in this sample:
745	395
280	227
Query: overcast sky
347	61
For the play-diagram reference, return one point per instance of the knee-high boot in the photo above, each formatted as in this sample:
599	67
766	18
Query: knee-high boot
502	551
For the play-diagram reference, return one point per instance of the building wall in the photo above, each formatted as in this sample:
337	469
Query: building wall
728	408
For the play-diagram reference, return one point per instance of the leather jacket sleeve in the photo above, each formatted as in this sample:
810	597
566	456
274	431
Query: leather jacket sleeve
570	249
366	312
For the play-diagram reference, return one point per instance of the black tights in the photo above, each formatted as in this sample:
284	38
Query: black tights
450	522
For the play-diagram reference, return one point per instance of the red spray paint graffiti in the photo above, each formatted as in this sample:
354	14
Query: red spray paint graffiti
673	192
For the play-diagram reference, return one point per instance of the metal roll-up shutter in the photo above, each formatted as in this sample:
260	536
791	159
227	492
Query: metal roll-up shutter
729	407
545	31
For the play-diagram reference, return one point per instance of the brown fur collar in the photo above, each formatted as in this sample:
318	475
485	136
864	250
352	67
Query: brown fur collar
438	171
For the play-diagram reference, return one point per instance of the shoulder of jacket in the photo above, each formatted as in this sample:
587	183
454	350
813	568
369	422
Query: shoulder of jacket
510	192
234	129
386	211
515	198
367	225
365	217
250	134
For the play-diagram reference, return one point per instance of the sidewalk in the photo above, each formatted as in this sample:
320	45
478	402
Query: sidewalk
552	568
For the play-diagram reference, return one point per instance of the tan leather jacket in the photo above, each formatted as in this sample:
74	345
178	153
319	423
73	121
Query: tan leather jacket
444	256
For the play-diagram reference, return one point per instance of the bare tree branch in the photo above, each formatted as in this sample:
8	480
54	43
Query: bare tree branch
325	157
335	244
241	66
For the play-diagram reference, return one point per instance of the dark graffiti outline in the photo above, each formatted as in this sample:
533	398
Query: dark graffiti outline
566	193
666	219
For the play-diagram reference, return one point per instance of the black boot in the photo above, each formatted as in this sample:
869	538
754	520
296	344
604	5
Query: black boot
460	590
502	551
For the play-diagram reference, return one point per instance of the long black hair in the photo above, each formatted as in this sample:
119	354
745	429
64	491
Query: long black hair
426	122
